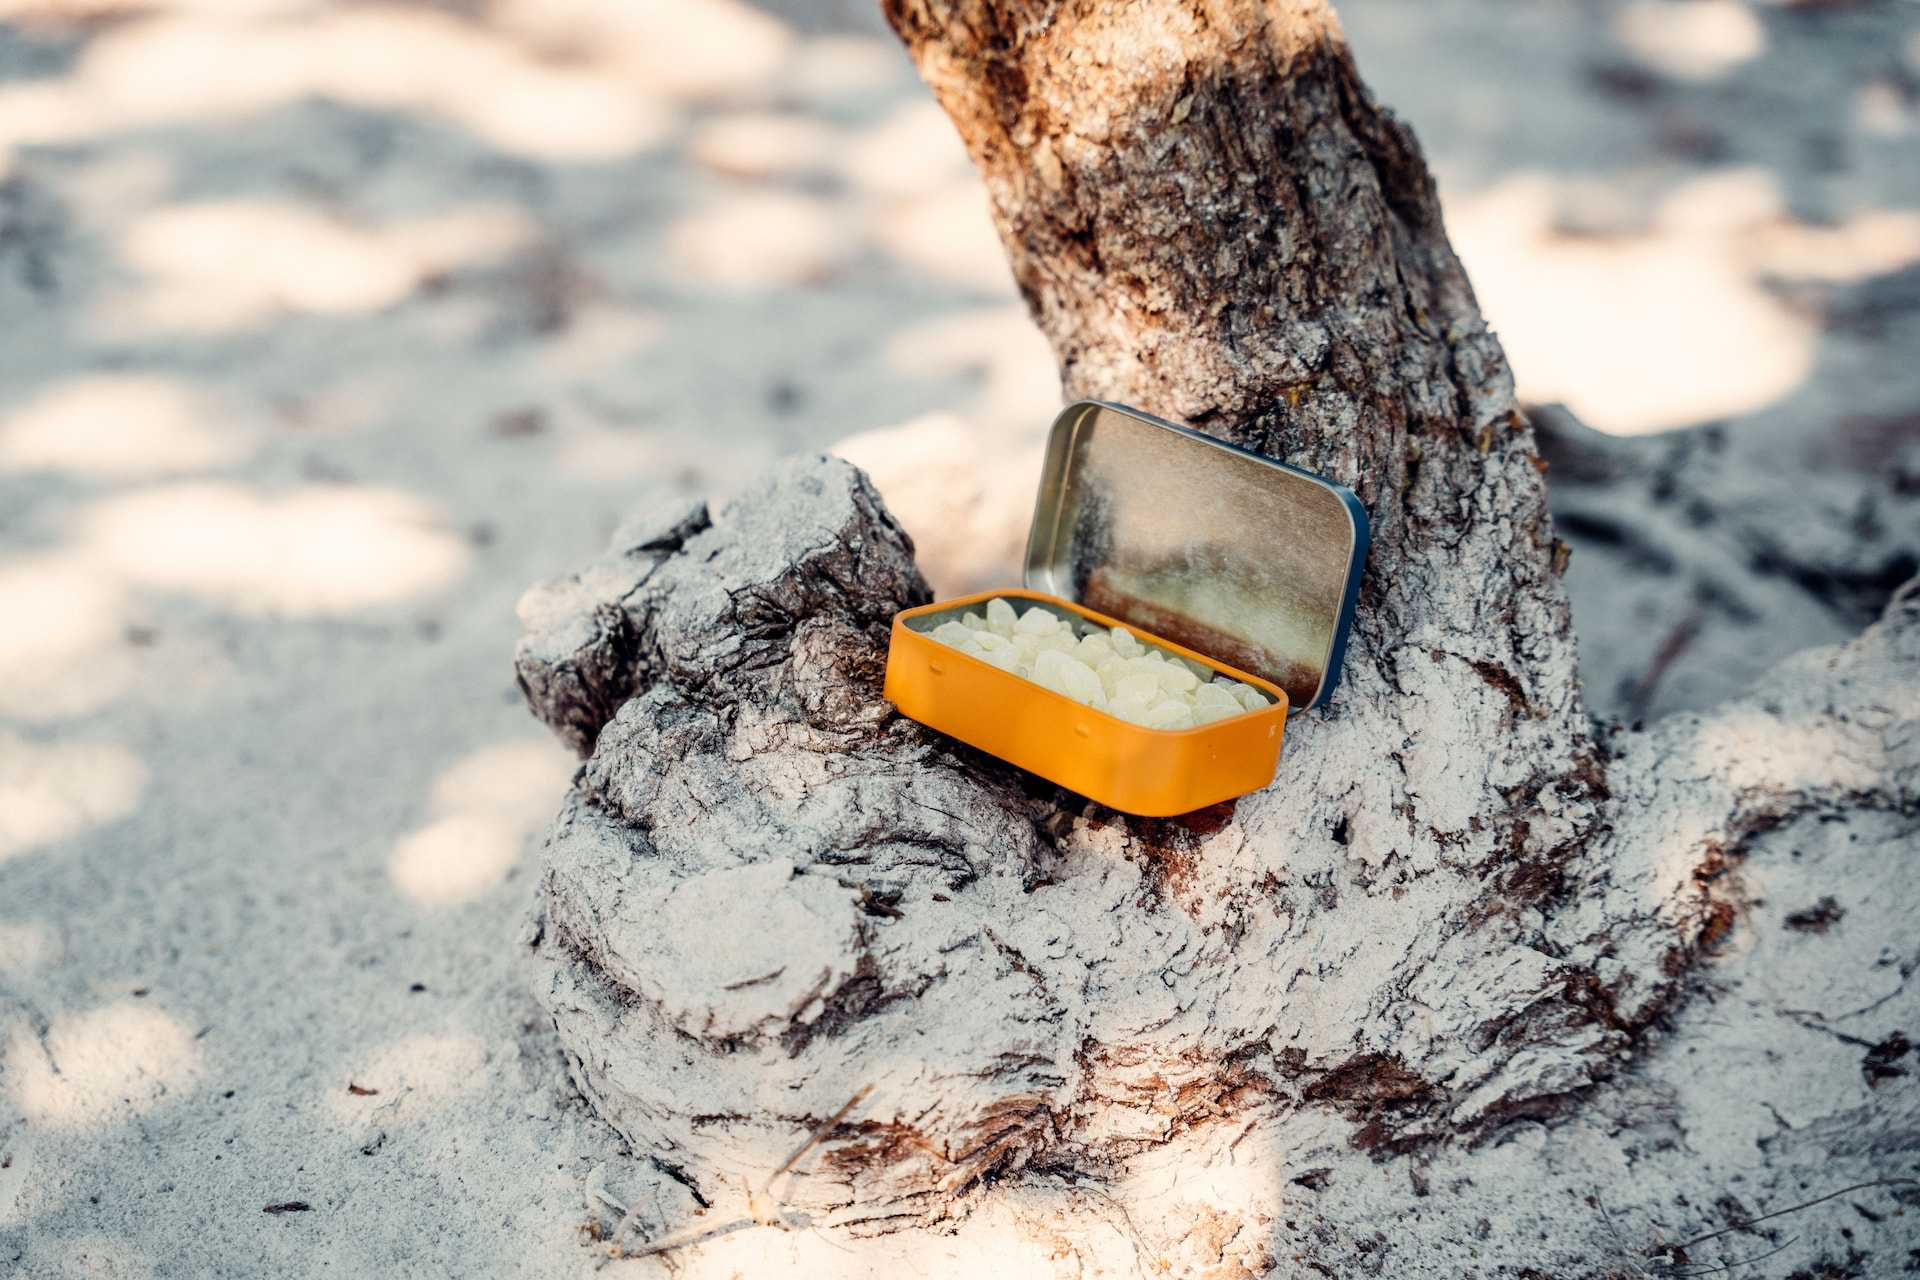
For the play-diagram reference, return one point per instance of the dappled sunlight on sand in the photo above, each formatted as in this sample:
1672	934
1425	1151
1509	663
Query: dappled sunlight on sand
963	485
221	266
304	551
1881	109
926	207
760	144
181	68
487	804
52	791
600	336
679	48
69	11
354	318
456	859
1636	333
99	1067
914	151
758	240
1877	242
947	235
423	1069
1000	344
518	780
1692	39
117	425
61	652
1754	750
830	69
968	520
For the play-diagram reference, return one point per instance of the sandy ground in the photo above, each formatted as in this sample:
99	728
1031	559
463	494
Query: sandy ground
329	329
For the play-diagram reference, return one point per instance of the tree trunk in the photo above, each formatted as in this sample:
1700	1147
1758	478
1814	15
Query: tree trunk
1396	1014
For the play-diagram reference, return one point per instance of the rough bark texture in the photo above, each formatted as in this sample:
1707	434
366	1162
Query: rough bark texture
1430	957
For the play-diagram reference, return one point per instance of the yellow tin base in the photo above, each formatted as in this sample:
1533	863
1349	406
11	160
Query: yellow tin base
1151	772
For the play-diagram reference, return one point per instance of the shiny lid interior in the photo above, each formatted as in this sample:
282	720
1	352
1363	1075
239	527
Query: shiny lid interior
1245	559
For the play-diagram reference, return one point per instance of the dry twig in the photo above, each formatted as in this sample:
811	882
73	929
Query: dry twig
1792	1208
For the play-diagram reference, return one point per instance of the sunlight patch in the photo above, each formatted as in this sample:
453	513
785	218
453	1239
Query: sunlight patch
827	69
305	551
100	1066
1692	39
456	859
488	803
115	425
51	791
599	335
999	344
518	780
916	151
1875	243
1754	750
178	67
969	529
761	144
767	240
222	265
696	49
62	652
948	235
1635	333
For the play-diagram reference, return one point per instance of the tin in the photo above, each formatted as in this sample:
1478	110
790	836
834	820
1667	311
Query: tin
1240	562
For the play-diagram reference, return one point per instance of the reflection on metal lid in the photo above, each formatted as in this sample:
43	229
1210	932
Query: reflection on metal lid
1245	559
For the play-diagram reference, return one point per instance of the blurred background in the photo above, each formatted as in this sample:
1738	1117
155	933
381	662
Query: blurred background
328	328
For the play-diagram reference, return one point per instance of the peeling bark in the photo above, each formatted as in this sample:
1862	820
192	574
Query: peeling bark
1457	920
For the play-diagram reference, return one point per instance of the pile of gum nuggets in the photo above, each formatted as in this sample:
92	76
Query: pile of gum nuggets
1109	670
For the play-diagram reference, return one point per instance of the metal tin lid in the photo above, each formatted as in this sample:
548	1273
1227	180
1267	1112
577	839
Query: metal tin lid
1247	560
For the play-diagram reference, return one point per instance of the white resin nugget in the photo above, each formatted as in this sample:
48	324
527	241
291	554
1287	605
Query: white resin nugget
1212	695
1175	678
1093	649
1248	696
1062	674
1211	702
1037	622
1169	714
1109	669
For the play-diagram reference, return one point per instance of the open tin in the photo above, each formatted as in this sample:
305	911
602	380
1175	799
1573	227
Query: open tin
1211	552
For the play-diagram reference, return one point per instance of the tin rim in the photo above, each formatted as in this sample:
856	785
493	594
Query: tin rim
1279	695
1056	495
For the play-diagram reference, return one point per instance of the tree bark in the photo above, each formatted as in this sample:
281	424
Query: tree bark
1442	943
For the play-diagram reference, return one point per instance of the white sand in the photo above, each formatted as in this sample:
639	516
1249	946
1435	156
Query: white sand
314	361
